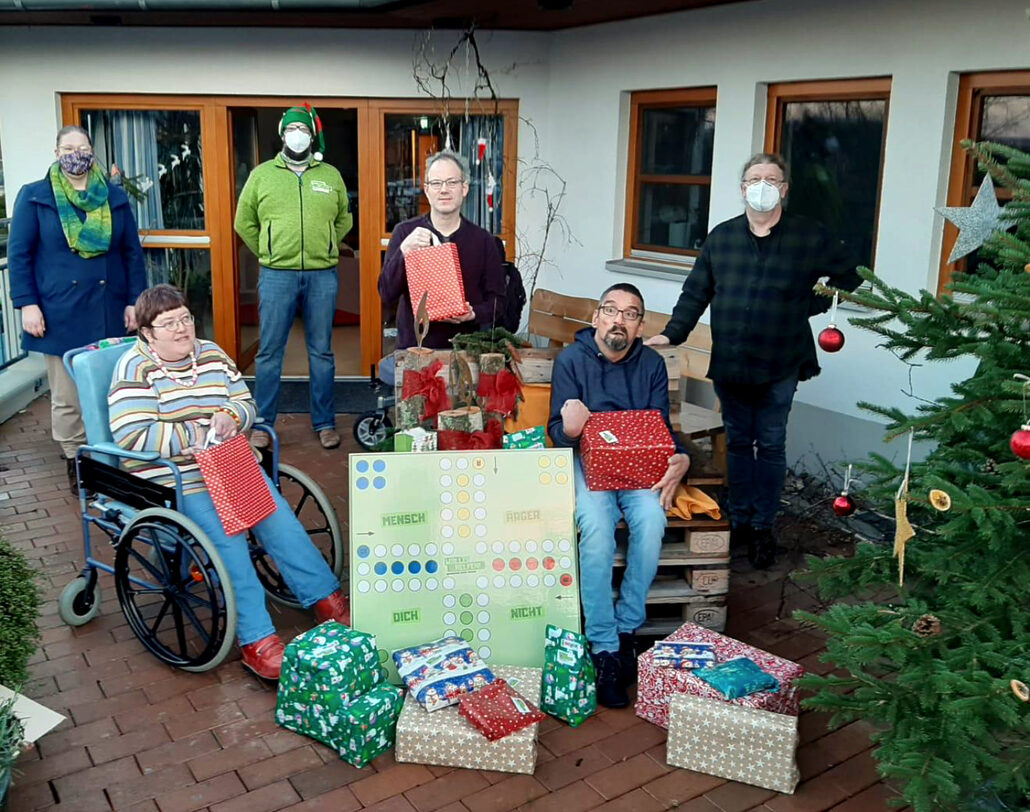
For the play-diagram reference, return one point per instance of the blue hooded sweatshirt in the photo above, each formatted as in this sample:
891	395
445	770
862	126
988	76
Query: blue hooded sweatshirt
581	371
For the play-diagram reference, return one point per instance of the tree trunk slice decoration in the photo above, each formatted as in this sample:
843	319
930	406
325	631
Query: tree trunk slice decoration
467	419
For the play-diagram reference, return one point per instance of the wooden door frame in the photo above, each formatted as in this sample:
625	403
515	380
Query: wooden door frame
216	144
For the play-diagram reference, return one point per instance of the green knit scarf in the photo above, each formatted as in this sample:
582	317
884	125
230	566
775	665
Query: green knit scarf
93	237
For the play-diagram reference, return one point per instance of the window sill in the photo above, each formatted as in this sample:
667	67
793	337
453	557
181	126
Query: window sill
637	266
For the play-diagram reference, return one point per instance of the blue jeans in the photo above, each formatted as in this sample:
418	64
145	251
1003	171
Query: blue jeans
597	513
280	293
755	417
284	538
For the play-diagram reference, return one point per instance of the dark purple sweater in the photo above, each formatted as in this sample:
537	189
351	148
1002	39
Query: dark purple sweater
481	271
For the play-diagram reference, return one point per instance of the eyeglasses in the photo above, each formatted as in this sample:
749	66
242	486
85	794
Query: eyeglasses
450	183
770	181
172	324
73	150
296	126
630	314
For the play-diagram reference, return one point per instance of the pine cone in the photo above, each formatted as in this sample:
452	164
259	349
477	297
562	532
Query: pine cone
990	466
927	626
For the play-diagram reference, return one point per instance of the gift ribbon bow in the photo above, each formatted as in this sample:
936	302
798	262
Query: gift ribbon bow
426	383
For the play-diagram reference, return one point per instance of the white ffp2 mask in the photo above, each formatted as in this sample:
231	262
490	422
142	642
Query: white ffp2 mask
297	140
762	196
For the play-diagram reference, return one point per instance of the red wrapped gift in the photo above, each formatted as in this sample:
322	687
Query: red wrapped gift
625	451
436	270
656	685
498	710
233	478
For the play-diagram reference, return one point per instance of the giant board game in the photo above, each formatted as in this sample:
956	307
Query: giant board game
479	544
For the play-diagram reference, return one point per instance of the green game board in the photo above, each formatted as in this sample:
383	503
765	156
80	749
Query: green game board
479	544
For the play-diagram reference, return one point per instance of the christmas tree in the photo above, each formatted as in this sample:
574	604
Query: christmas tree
937	663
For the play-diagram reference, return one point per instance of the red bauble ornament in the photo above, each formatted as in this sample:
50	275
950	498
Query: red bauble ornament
831	339
1020	442
843	505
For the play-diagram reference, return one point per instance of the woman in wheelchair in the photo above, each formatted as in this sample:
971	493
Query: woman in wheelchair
167	392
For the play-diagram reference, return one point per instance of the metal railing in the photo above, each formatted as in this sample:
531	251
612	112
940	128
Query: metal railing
10	319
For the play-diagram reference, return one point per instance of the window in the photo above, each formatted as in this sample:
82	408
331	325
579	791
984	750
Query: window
991	107
670	172
832	136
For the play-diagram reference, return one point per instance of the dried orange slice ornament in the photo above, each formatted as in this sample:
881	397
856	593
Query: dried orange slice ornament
940	499
1020	690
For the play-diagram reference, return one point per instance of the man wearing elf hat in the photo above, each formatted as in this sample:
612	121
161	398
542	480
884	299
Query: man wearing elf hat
293	214
757	271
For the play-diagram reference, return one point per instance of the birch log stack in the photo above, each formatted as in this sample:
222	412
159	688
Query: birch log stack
410	410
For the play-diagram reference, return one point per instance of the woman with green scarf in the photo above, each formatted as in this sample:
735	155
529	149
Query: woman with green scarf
76	268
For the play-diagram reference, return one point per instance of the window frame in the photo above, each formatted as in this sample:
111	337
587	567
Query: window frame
870	88
640	101
972	88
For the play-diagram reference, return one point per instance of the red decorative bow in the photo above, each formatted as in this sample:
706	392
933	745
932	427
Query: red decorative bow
499	393
490	437
425	382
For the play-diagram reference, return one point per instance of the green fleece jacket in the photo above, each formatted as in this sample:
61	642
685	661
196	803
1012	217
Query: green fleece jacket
294	222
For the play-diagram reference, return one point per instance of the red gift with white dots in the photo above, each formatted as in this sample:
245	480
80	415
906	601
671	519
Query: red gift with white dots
625	451
498	711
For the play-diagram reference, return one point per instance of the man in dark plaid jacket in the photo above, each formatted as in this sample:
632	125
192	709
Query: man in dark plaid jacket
757	271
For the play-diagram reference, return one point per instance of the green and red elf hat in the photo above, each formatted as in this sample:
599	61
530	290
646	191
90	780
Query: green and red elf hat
307	116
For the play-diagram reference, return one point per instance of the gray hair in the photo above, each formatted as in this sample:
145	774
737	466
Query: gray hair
72	128
454	157
766	158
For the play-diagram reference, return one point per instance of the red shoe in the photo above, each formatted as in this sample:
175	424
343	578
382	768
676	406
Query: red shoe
334	607
264	657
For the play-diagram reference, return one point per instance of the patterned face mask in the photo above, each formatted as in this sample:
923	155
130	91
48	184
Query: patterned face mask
76	163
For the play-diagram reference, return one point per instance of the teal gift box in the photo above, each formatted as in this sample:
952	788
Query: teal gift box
569	688
526	438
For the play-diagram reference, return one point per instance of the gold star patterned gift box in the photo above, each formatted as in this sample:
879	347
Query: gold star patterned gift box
446	738
743	744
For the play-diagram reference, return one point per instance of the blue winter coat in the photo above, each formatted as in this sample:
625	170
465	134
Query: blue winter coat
83	300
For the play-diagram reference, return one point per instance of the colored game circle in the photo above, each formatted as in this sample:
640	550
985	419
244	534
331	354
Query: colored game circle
482	582
564	545
532	580
530	546
431	566
549	563
548	545
397	550
462	480
431	584
446	514
446	497
464	531
481	598
467	618
380	586
379	483
383	655
414	567
363	568
479	496
448	548
380	568
362	483
561	479
478	463
363	551
548	580
566	580
463	514
561	462
545	479
450	633
480	513
363	587
397	567
379	466
414	549
447	531
380	551
449	601
448	583
479	480
497	547
362	466
415	585
485	652
515	581
445	481
465	600
398	585
430	549
532	563
498	564
462	464
515	564
483	617
481	548
565	562
481	530
514	546
449	618
445	464
467	636
499	581
484	635
543	461
463	496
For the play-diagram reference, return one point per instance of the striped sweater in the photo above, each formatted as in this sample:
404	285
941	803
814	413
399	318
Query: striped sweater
151	410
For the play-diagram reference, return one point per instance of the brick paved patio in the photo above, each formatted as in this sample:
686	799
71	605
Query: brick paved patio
141	736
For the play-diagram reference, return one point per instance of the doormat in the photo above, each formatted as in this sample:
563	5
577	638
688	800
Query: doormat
349	397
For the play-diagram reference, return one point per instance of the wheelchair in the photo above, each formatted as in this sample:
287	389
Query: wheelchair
373	427
171	584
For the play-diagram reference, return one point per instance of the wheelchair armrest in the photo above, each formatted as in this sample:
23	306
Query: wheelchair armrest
118	451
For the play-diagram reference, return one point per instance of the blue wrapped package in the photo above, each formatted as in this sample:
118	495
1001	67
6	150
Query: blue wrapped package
738	677
438	673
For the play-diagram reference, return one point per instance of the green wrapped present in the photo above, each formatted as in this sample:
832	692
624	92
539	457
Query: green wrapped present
526	438
370	725
416	439
324	670
569	690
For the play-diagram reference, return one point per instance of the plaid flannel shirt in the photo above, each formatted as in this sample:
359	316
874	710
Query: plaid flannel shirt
761	301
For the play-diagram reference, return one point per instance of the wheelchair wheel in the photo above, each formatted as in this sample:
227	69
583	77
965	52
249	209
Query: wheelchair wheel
315	512
174	590
78	604
371	429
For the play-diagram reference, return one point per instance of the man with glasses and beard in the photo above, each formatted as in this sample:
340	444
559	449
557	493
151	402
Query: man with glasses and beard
757	271
607	369
293	214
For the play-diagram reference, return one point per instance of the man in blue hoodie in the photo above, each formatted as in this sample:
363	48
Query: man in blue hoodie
608	369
